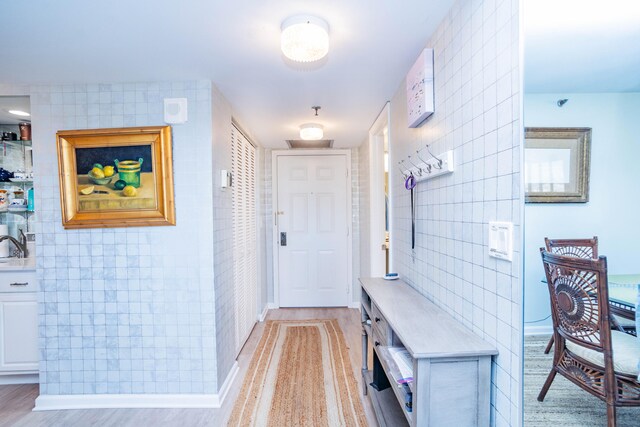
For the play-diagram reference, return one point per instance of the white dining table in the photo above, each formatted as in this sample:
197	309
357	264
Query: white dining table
624	296
624	288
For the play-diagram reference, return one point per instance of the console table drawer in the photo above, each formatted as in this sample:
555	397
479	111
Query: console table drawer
376	339
380	324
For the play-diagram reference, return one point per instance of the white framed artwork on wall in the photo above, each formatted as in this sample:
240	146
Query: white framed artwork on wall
420	93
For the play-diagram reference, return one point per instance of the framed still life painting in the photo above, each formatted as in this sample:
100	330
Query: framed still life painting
116	177
556	165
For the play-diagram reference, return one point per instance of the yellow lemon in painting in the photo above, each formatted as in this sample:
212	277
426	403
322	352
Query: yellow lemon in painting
108	171
87	189
97	173
129	191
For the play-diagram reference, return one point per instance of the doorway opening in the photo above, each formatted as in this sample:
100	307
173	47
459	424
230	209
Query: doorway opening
380	262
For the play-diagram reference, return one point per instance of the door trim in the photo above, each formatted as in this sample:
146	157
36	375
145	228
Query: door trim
274	200
376	189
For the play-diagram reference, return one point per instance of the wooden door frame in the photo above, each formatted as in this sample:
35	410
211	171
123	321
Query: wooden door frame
376	186
274	203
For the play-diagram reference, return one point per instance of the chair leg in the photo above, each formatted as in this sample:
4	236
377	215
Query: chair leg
546	385
549	345
611	416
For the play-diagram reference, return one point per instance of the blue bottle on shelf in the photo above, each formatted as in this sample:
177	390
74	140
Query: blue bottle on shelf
30	206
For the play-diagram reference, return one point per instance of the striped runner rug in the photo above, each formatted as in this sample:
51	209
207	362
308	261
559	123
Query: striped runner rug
300	375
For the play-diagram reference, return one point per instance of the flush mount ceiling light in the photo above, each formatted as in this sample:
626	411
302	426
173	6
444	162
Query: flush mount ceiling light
311	131
304	38
19	113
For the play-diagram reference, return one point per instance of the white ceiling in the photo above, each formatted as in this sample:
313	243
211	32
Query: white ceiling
582	46
233	43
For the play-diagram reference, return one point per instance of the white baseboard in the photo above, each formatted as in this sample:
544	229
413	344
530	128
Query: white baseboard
355	304
263	315
538	330
228	382
117	401
19	379
46	402
272	306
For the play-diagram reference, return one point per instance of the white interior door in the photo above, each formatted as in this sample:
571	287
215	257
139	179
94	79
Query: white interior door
312	218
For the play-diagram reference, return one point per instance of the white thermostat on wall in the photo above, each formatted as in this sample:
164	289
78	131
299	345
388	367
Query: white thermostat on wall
225	179
175	111
420	95
501	240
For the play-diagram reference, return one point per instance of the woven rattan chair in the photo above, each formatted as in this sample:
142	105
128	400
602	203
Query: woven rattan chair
581	248
602	361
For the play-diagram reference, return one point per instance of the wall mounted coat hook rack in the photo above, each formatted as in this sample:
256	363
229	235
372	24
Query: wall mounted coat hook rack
426	169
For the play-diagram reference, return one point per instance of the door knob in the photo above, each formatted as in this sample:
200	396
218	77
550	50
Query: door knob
377	343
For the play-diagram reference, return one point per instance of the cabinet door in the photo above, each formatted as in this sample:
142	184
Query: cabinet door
18	332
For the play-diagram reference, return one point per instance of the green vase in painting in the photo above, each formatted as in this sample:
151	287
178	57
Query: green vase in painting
129	171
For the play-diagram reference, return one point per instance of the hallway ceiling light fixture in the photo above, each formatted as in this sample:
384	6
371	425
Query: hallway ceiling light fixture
304	38
19	113
311	131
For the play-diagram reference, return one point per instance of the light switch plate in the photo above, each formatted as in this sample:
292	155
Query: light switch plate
501	240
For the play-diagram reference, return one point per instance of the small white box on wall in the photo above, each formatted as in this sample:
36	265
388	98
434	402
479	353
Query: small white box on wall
175	111
225	179
420	93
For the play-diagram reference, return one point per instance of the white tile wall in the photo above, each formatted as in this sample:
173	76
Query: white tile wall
267	200
126	310
355	223
477	94
222	119
223	236
364	206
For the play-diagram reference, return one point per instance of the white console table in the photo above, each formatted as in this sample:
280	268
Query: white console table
451	365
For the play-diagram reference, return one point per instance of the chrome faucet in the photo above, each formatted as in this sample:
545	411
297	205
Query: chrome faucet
20	245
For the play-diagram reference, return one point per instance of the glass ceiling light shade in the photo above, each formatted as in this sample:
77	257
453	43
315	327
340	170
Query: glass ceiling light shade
311	131
304	38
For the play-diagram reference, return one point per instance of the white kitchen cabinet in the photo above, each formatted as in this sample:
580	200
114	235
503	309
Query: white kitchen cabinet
18	329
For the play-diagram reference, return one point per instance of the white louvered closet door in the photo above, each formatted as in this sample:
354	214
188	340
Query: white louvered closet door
245	239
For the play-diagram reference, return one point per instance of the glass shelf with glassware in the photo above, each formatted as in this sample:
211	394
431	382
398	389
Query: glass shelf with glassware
16	184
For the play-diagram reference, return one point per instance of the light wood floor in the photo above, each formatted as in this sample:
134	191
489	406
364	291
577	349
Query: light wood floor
16	402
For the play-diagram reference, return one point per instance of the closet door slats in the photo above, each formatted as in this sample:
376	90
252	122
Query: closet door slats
245	239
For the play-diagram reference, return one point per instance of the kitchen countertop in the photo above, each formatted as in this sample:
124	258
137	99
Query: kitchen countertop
17	264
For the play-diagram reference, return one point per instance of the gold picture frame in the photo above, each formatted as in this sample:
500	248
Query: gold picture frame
121	177
557	165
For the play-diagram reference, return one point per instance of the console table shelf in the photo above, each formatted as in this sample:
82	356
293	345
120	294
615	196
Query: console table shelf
451	365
